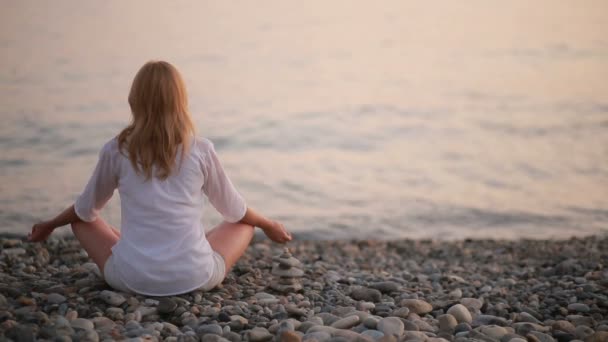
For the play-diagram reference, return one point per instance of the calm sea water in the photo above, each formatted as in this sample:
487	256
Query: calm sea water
385	119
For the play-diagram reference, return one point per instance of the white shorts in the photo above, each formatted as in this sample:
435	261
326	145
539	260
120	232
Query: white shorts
218	273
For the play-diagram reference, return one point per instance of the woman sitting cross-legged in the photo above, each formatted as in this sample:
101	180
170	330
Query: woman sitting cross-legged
162	171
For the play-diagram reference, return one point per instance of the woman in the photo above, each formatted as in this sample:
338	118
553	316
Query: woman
162	172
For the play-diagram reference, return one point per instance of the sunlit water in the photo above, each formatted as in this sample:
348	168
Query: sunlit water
343	119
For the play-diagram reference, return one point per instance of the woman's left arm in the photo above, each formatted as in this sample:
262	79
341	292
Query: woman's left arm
42	230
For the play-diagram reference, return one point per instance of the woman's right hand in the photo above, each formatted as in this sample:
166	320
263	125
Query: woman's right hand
276	232
40	231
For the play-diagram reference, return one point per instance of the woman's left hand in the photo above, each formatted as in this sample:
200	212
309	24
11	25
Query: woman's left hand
40	231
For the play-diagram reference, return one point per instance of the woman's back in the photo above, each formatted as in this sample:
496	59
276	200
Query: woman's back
163	239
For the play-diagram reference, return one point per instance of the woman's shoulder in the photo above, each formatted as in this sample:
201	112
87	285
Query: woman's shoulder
111	146
203	145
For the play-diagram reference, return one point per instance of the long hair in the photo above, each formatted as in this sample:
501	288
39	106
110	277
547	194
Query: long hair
160	122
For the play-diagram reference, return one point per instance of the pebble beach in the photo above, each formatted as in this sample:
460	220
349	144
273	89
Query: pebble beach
402	290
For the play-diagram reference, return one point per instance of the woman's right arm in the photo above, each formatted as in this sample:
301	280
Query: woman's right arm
274	230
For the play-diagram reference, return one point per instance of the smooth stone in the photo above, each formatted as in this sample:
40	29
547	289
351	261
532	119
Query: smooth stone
103	323
460	313
523	328
489	320
455	294
371	322
350	335
289	262
215	329
320	336
82	323
239	318
526	317
417	306
414	335
462	327
582	332
578	307
472	303
599	336
289	336
213	338
401	312
410	326
391	326
518	339
386	286
288	325
564	326
542	337
14	251
327	318
259	334
493	331
366	294
474	334
375	334
112	298
166	305
346	322
291	272
447	323
55	298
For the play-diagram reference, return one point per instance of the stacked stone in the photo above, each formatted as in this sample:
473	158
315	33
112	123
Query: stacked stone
287	272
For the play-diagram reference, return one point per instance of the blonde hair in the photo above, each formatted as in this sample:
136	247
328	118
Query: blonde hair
160	120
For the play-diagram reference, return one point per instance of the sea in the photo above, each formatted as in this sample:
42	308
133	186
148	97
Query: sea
341	119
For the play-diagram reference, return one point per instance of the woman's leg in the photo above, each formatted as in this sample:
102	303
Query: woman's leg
97	238
230	240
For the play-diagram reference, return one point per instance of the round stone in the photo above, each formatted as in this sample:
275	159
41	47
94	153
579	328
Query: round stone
346	322
460	313
55	298
578	307
417	306
82	323
366	294
259	334
447	323
166	305
112	298
493	331
391	326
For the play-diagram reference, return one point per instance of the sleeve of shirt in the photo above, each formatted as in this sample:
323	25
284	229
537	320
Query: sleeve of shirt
219	189
99	189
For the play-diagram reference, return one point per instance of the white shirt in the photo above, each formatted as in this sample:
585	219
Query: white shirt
163	249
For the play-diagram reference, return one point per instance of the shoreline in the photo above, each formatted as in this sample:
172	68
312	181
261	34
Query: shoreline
366	290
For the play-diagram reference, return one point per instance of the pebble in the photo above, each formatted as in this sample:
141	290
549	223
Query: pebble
543	291
493	331
346	322
366	294
82	323
578	307
386	286
564	326
112	298
215	329
417	306
447	323
166	306
259	335
391	326
289	336
55	298
460	313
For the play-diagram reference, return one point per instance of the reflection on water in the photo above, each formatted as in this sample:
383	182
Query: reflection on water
342	119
